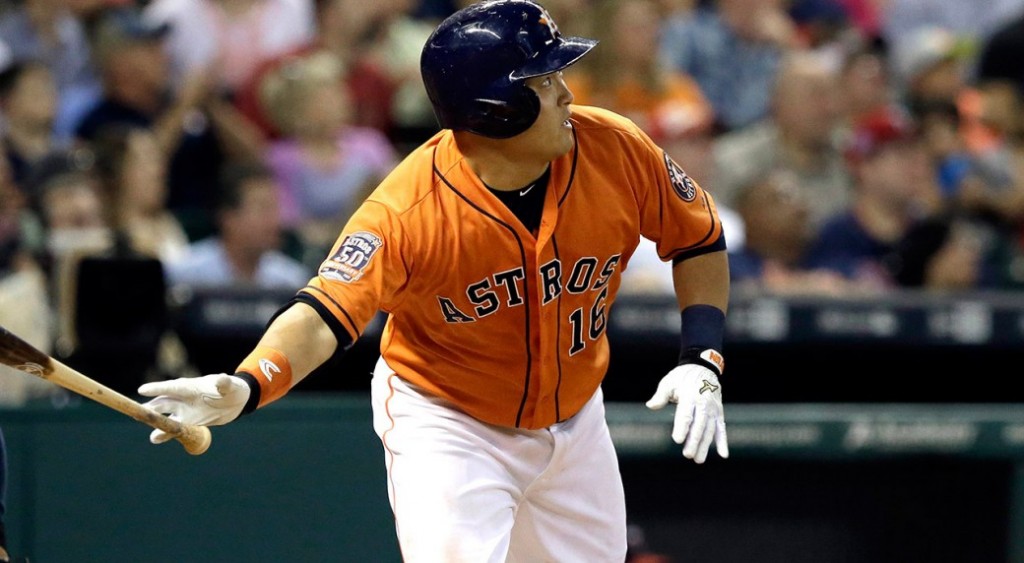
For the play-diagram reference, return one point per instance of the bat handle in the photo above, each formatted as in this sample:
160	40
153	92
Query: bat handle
196	439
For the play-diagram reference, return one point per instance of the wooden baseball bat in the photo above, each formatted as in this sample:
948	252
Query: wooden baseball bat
22	356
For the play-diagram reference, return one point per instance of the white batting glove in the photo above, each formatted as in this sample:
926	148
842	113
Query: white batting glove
210	400
700	417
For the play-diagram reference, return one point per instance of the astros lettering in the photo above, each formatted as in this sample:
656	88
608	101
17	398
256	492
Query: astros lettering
505	288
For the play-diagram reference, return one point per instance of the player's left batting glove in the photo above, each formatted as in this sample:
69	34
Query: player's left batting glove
210	400
700	417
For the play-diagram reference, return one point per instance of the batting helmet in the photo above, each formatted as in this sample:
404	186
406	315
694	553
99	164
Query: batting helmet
475	64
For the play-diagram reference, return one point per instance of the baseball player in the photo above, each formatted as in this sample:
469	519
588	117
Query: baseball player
496	248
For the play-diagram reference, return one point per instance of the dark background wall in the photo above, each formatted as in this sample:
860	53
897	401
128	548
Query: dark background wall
304	481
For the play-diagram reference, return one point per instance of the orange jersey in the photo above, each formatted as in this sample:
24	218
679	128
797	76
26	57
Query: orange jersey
508	326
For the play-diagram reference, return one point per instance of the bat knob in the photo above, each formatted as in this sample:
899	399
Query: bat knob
196	439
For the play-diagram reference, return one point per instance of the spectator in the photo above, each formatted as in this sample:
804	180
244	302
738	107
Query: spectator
626	76
733	49
829	29
865	83
999	54
345	28
67	195
774	257
1002	164
19	219
133	172
245	252
799	137
89	259
940	127
229	39
976	19
324	167
24	296
822	24
196	128
894	234
865	16
983	175
88	11
47	31
987	185
396	49
28	102
929	63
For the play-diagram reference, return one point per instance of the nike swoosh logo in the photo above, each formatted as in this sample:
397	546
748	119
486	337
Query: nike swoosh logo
526	191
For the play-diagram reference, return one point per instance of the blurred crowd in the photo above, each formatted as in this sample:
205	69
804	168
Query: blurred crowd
852	146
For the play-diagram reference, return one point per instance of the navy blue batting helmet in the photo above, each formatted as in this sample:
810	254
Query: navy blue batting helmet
476	62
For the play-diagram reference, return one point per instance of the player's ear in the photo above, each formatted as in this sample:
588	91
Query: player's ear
507	118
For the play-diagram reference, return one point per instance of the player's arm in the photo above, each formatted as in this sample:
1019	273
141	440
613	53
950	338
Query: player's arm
317	325
682	219
702	290
296	342
703	280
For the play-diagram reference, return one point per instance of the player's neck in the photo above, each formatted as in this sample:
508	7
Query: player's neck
499	166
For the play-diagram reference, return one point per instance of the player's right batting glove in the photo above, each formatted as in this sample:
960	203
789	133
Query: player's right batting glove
700	417
210	400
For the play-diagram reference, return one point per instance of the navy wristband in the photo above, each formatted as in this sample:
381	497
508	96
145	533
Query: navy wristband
254	392
711	359
703	328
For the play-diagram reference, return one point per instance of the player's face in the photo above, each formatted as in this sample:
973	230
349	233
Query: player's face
551	135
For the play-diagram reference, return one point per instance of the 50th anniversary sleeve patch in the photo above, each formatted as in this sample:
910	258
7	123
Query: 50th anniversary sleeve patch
681	183
352	257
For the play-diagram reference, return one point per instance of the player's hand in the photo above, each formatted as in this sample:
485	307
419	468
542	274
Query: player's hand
210	400
700	418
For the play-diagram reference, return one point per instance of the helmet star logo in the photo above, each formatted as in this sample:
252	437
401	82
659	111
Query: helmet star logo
545	19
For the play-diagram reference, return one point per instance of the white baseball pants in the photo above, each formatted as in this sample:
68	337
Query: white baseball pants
463	491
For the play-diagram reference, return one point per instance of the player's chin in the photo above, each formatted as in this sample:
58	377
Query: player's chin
553	140
563	137
566	144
